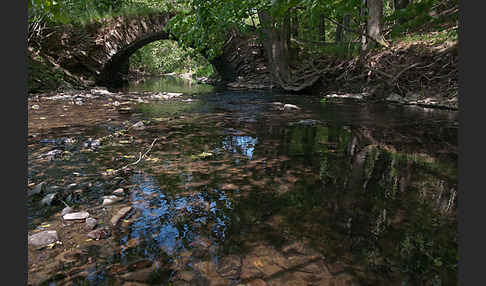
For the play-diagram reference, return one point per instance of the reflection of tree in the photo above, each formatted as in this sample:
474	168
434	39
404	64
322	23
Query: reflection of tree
369	202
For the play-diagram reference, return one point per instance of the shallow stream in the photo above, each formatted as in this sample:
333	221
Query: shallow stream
241	187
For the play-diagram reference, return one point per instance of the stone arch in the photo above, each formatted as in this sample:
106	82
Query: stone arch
101	50
117	66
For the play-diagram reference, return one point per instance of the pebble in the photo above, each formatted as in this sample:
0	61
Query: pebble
121	213
90	223
72	186
138	126
47	200
119	191
290	107
37	189
76	216
67	210
395	98
100	233
109	200
43	238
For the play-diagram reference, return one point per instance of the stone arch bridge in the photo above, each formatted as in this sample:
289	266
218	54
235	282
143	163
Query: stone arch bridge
102	50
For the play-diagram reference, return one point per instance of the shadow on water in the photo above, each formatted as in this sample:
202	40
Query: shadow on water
237	191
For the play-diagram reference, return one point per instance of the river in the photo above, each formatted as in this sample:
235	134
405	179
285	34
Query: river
231	187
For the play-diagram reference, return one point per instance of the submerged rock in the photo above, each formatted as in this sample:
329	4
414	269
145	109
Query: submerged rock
43	238
52	154
92	143
100	233
90	223
119	191
290	107
121	213
307	122
109	200
37	189
395	98
230	267
76	216
346	95
138	126
67	210
47	200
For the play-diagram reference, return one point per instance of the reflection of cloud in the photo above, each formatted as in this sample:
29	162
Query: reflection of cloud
244	145
168	224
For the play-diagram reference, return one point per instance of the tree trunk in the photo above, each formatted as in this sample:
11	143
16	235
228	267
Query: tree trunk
401	4
339	31
362	14
375	22
294	30
276	44
346	21
322	29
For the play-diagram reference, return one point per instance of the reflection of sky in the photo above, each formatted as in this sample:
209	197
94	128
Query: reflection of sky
244	145
169	224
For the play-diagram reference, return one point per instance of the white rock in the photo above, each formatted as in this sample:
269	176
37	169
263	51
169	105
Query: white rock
43	238
395	98
109	200
119	191
72	186
347	95
138	126
174	94
90	223
291	107
67	210
76	216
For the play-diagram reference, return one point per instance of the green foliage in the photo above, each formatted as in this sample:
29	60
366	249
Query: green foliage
419	14
167	57
85	11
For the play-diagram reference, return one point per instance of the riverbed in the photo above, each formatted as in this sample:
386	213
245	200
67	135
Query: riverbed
226	187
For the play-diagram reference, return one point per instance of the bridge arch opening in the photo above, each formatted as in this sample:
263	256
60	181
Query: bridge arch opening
168	57
155	54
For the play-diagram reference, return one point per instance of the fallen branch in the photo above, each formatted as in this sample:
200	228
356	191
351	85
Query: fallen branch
139	158
393	78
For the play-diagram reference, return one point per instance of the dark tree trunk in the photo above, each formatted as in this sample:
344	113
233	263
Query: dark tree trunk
294	26
401	4
322	29
346	21
339	31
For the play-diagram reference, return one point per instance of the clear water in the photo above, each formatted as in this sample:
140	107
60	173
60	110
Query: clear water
236	190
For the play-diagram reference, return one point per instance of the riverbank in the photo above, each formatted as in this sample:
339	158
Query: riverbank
421	71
